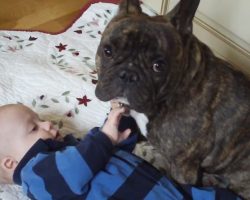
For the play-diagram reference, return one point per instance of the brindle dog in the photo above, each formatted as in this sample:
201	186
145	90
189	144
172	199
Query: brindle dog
198	107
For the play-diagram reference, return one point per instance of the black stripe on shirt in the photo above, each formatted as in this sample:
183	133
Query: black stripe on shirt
139	183
96	149
185	190
53	180
220	193
224	194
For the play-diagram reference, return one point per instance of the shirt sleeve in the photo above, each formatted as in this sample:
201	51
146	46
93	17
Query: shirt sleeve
66	174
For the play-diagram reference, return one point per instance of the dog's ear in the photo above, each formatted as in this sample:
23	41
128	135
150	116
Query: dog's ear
129	7
181	16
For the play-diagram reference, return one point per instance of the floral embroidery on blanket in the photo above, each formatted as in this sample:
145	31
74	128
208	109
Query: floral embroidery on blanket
15	43
56	76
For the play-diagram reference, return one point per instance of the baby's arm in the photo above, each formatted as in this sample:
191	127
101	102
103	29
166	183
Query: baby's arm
67	174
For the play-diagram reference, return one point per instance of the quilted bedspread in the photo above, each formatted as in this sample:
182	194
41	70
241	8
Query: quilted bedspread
55	75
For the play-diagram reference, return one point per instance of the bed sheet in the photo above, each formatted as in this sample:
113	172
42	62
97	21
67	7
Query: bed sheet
55	75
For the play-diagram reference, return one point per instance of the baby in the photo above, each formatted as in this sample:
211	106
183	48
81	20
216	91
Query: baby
100	166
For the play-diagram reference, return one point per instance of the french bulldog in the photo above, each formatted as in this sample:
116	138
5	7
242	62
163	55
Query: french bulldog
196	105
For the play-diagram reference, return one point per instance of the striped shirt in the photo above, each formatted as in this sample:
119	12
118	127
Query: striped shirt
94	169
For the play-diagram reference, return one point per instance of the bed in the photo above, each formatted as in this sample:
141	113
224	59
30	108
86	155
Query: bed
55	75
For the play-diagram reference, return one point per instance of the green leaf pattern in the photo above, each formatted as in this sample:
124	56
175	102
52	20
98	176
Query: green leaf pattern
13	43
45	102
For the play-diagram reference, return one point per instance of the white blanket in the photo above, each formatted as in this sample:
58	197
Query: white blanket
55	75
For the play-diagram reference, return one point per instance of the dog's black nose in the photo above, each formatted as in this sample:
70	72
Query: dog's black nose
128	76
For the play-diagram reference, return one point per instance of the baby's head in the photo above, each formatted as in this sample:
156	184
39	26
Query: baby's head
20	129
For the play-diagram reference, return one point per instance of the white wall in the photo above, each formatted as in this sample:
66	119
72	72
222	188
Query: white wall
156	5
230	14
224	25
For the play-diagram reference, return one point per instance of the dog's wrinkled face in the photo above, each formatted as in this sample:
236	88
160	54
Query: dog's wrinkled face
135	57
134	62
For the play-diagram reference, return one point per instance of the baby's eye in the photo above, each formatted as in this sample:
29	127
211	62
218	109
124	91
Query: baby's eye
34	128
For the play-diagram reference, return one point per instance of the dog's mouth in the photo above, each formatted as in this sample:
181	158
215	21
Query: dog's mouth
123	102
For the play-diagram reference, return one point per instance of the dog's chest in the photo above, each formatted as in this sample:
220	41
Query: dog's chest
141	120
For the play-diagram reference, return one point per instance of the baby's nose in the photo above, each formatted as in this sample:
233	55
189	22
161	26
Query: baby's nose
46	125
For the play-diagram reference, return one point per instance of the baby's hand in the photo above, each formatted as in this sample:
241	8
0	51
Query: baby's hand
110	128
117	104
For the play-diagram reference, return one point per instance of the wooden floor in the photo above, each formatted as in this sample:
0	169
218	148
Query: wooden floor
45	15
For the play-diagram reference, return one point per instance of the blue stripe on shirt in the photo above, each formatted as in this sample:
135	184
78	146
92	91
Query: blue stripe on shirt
78	175
114	175
38	185
55	183
203	194
164	189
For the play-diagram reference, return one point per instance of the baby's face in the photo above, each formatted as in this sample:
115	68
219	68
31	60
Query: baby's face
22	128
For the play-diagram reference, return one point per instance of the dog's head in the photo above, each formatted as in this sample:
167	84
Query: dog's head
141	58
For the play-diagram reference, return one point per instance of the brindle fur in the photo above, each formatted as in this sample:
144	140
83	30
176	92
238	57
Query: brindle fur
198	106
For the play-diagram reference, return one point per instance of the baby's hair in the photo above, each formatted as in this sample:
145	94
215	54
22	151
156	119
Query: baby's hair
3	176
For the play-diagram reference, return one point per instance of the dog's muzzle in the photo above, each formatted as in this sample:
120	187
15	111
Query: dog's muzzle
128	77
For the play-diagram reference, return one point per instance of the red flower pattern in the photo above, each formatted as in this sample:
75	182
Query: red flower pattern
61	47
69	114
75	53
84	100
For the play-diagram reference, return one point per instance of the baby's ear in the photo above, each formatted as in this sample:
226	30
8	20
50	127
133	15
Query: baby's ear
8	163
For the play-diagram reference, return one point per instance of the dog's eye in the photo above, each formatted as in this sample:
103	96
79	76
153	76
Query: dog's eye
107	51
158	66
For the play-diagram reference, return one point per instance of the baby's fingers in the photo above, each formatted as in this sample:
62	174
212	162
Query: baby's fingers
115	104
115	115
124	135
